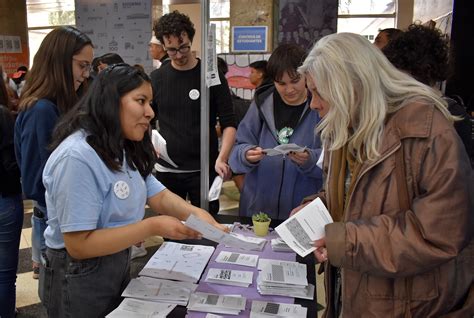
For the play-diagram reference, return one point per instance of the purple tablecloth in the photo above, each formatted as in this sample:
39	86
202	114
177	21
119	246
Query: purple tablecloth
250	292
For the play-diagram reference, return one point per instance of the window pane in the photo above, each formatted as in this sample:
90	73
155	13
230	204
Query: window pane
368	27
222	36
219	9
366	6
49	13
35	38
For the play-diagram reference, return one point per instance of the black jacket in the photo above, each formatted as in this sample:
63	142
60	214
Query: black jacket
9	171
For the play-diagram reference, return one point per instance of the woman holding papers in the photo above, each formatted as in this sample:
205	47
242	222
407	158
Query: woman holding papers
399	188
98	180
279	115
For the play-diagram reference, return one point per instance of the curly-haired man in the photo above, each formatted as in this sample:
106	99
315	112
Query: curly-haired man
176	99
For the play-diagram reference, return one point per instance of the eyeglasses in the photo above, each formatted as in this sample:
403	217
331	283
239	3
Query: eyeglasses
84	65
183	49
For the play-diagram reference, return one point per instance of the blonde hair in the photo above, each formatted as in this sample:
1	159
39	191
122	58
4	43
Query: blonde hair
361	87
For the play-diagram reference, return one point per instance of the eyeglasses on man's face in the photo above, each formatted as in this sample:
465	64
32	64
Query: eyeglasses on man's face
83	65
183	49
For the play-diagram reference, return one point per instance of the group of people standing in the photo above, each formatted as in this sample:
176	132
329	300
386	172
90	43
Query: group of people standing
396	177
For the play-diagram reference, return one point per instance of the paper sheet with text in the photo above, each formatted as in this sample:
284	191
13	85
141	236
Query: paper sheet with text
304	227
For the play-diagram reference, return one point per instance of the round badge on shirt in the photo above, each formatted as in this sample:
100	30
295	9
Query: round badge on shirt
121	190
194	94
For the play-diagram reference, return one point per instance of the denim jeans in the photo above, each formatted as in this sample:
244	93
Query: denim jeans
82	288
11	222
38	224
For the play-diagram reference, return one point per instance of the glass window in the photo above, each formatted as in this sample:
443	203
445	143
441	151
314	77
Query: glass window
222	36
43	15
366	6
220	16
368	27
219	9
35	37
366	17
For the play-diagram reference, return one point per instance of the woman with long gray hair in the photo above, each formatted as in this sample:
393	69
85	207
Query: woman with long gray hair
398	186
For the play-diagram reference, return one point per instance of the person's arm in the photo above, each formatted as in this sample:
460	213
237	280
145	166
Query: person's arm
79	203
221	98
247	138
221	166
306	162
34	148
170	204
100	242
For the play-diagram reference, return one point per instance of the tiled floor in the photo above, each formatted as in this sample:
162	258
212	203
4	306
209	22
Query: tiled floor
28	302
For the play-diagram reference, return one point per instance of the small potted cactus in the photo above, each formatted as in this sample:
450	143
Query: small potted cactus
261	223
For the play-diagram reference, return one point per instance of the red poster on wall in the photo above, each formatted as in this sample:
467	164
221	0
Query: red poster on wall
11	61
14	50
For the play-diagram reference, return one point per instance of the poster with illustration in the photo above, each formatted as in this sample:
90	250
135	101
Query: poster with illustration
121	26
304	22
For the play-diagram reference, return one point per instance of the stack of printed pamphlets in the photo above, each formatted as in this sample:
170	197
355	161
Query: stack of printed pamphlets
214	303
263	309
160	290
249	243
141	309
283	278
229	277
177	261
278	245
229	239
225	257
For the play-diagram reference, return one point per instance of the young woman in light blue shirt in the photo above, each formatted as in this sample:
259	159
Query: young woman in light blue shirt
98	180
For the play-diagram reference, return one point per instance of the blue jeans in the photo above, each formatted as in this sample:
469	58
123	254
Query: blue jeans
11	222
38	224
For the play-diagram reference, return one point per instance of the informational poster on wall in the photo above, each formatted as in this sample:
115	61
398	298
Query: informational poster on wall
13	35
118	26
249	38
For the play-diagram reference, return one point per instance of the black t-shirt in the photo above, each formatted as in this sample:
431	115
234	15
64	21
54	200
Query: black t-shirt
177	106
286	115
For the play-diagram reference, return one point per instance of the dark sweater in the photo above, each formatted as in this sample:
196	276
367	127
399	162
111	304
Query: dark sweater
176	102
9	171
33	130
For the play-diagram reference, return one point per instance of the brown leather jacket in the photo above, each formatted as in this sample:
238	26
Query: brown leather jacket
421	259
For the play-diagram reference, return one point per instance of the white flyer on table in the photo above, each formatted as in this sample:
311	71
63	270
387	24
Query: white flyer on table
213	303
304	227
237	259
263	309
229	277
159	143
137	308
183	262
155	289
282	272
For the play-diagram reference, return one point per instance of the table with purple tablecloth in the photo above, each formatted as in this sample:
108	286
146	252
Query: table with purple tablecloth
250	292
